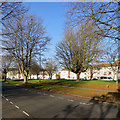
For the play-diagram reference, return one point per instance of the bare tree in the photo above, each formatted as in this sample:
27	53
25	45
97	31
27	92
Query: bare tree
79	48
93	70
51	67
28	38
105	15
35	68
7	62
11	9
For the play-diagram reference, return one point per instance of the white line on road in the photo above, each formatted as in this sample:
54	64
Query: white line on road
52	96
82	103
11	102
16	106
25	113
3	96
70	100
90	103
86	103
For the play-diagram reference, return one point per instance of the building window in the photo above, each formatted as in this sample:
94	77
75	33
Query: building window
104	73
109	73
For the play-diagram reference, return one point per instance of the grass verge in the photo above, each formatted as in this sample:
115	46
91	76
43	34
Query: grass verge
50	85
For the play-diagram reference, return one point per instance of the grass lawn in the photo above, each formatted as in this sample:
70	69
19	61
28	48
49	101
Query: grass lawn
55	86
94	84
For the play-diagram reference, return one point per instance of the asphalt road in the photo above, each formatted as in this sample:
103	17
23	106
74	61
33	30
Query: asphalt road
20	102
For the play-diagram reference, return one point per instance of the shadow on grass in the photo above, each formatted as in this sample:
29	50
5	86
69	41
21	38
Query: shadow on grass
109	97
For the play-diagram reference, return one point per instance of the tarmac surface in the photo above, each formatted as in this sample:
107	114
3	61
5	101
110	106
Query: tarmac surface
21	102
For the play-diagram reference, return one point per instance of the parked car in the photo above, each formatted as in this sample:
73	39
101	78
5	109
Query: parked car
94	79
81	78
106	78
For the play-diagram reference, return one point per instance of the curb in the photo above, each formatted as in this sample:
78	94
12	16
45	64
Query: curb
83	97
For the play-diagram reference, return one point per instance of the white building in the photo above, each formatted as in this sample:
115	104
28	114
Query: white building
98	71
13	73
101	70
66	74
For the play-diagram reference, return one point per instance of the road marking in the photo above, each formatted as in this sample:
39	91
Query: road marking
26	89
52	96
16	106
70	100
11	102
86	103
25	113
90	103
3	96
82	103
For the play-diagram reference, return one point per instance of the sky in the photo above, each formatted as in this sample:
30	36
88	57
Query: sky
53	15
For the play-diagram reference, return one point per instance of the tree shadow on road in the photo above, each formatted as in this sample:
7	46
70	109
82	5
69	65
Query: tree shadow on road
94	109
67	111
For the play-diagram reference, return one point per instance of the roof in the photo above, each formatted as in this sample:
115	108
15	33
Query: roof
64	69
105	64
10	69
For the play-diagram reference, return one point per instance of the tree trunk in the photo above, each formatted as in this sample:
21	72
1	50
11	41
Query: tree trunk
30	76
78	76
5	78
50	76
25	79
91	74
117	77
37	76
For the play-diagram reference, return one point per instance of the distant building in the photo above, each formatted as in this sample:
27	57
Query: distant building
98	71
14	73
66	74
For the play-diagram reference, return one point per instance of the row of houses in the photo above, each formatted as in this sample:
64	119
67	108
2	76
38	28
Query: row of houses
15	74
102	70
95	72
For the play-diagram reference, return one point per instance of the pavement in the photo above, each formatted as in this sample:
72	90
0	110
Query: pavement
86	88
21	102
